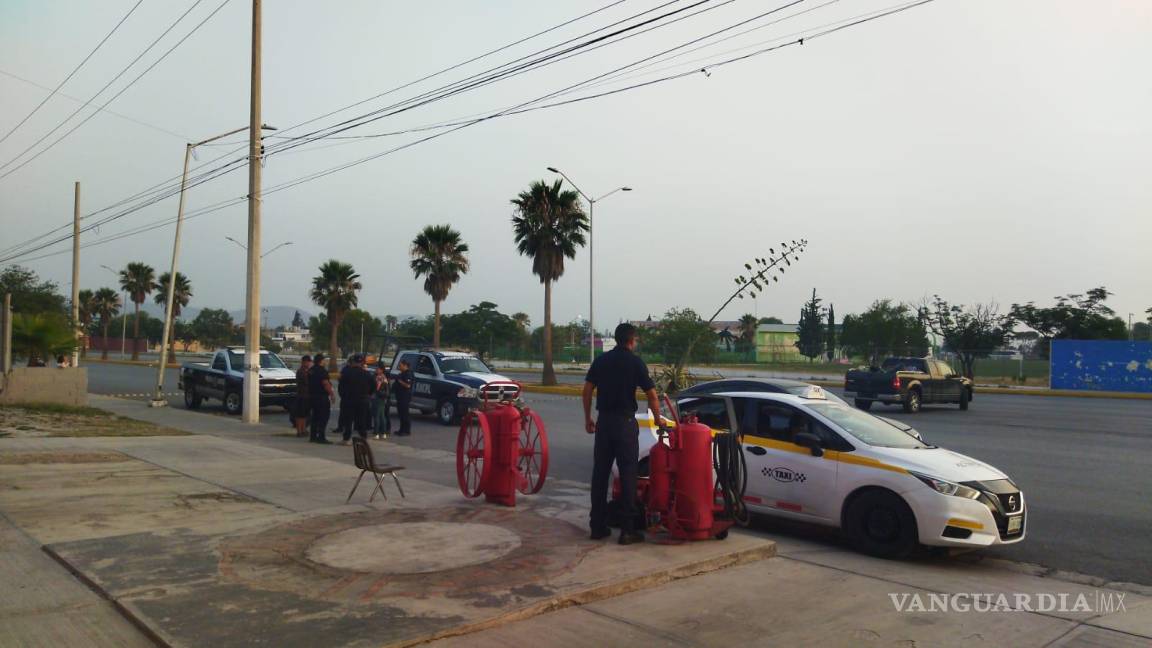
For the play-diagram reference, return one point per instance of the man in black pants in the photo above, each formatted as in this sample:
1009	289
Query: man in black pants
347	402
614	377
402	388
359	389
320	397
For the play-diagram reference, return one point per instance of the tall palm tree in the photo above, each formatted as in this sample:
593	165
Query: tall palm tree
391	322
181	294
138	280
334	290
105	305
548	225
439	255
748	325
84	301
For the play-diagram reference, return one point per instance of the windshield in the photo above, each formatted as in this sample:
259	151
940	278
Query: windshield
267	360
463	365
800	390
865	427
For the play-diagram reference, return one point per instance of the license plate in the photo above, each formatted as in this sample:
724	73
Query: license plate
1015	523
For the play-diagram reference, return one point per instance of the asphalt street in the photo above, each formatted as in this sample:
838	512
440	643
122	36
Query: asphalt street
1085	465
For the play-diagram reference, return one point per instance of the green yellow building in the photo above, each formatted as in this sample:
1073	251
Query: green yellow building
777	343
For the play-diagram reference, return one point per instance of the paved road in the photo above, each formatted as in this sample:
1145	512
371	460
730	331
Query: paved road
1085	465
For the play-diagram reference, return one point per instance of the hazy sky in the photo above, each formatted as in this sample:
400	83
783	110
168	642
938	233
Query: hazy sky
985	150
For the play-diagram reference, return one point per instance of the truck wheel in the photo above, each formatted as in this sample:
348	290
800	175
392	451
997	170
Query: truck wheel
879	523
192	400
964	398
912	401
232	403
446	412
862	404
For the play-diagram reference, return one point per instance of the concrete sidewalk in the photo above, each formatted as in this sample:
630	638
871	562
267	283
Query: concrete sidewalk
240	535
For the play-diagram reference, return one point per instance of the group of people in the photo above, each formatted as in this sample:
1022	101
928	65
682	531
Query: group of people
366	397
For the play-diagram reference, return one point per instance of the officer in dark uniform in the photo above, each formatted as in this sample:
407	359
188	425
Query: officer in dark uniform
320	398
614	377
402	388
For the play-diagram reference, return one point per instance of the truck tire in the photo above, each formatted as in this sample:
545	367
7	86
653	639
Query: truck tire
862	404
879	523
965	398
912	401
192	400
446	412
233	403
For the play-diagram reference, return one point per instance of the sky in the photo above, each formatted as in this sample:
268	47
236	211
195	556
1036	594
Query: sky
982	150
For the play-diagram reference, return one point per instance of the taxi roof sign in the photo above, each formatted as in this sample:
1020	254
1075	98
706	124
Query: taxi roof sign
814	392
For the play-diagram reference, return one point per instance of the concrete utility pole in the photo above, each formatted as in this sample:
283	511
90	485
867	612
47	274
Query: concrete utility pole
76	277
6	335
251	399
158	399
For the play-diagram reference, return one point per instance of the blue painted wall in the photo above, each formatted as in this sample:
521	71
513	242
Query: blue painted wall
1099	365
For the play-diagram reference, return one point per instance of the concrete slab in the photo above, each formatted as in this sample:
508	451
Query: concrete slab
1134	616
1089	637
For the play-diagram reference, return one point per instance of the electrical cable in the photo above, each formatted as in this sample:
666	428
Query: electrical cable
72	73
731	475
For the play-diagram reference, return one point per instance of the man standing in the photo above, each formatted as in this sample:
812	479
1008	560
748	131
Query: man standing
320	397
301	409
402	387
614	377
347	409
355	400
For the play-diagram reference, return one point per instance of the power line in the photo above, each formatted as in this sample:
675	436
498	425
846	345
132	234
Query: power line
72	73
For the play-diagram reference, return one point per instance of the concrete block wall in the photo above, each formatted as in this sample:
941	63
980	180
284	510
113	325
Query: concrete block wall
45	385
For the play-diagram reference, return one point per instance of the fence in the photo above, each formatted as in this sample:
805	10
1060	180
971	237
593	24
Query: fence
1102	365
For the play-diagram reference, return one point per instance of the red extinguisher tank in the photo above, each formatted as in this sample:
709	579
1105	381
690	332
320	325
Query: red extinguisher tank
659	478
694	488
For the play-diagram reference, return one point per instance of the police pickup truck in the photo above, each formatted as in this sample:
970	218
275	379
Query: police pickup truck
223	379
446	382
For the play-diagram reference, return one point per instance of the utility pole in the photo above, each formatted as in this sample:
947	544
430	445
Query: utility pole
78	332
6	335
158	399
251	398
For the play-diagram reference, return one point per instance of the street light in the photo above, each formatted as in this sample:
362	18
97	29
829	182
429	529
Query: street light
158	399
591	207
123	315
245	247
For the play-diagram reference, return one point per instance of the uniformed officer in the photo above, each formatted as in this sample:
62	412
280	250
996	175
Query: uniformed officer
614	377
320	397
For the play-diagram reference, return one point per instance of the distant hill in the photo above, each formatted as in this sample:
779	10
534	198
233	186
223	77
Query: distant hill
273	317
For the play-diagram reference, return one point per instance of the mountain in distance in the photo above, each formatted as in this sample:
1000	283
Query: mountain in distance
274	315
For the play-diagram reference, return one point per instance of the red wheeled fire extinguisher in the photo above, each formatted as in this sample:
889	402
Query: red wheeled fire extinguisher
502	447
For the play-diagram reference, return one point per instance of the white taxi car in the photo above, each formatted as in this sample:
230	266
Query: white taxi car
810	456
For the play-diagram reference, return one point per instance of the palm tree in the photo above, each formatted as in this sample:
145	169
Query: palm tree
748	325
181	294
138	280
391	322
522	320
438	255
334	290
42	336
105	305
84	302
549	225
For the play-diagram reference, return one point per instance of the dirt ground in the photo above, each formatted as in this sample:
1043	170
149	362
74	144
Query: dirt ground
56	421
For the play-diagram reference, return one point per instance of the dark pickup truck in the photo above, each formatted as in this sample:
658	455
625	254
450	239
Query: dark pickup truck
223	379
910	382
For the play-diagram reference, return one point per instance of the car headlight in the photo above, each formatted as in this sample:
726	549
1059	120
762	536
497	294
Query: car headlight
945	487
467	392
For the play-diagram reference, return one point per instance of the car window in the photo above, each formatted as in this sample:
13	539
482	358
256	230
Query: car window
267	360
905	364
463	365
778	421
424	366
218	362
712	412
865	427
945	369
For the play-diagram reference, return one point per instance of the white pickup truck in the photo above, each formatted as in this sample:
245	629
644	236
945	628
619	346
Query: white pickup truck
223	379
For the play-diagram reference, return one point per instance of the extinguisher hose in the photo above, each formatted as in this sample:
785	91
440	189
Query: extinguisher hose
731	476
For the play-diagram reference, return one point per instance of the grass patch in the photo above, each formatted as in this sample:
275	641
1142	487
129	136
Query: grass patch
53	408
42	420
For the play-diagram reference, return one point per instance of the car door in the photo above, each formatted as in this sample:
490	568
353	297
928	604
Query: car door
216	379
425	372
787	476
950	384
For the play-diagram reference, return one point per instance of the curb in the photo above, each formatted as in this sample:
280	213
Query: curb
132	363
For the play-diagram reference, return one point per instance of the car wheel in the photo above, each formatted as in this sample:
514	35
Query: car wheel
879	523
446	412
192	400
964	398
862	404
912	401
232	403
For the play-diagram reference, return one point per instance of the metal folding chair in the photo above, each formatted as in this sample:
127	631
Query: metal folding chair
362	453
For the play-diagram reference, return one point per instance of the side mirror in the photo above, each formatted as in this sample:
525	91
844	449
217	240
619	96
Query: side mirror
810	441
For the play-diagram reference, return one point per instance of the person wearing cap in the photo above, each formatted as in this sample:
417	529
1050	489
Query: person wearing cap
301	407
320	398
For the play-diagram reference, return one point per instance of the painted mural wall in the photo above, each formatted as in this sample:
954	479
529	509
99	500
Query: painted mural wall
1102	365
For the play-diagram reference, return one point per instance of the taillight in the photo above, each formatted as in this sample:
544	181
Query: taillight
896	382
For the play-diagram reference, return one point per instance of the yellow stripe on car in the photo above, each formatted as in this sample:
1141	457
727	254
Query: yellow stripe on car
965	524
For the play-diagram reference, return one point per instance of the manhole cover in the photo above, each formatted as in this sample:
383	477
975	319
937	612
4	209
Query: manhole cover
413	547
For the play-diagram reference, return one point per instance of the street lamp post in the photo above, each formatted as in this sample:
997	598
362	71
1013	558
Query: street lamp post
123	315
591	207
158	399
245	247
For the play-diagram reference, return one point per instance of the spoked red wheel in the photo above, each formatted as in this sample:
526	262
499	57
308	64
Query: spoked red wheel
533	462
473	453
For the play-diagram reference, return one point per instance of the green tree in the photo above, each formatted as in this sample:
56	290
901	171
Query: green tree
40	337
771	320
181	295
105	305
184	332
548	226
138	280
810	330
830	332
213	327
297	321
84	300
748	326
334	290
676	334
440	256
391	322
354	323
970	333
482	327
1074	317
29	293
1141	331
884	329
